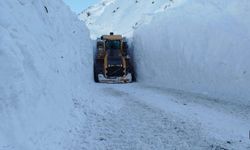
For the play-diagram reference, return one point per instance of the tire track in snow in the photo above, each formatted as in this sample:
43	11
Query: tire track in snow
136	126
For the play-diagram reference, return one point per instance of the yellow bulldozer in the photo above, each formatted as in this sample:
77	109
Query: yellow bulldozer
112	60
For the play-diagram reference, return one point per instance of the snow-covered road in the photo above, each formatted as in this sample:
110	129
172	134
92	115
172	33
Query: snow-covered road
48	100
142	117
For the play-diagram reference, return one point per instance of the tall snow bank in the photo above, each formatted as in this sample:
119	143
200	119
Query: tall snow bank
198	46
44	54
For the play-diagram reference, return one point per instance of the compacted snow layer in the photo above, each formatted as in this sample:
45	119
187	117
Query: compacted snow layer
144	117
199	46
44	54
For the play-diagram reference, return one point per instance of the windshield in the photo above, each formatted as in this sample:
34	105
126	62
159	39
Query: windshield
115	44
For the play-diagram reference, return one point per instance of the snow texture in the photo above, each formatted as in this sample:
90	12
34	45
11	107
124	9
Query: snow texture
200	47
42	70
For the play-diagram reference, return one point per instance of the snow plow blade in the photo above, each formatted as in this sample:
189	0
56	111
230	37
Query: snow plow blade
125	79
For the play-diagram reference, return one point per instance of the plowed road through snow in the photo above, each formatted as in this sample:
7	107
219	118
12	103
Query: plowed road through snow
136	117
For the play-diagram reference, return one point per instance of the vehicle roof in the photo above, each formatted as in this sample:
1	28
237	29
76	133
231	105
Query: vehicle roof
112	37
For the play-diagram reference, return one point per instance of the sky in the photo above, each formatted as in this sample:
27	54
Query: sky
79	5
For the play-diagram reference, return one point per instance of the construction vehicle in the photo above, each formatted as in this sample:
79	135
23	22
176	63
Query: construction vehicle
112	60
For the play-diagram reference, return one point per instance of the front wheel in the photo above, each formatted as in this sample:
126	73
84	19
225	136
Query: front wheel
133	77
96	79
133	74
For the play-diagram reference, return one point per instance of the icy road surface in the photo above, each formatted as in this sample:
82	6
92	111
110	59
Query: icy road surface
145	118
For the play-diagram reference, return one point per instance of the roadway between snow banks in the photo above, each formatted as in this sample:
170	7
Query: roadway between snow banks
146	118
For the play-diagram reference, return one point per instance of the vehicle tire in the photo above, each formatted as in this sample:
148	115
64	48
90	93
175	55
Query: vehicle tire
132	71
133	77
95	75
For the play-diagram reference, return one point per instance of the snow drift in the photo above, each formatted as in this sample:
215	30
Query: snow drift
199	46
44	51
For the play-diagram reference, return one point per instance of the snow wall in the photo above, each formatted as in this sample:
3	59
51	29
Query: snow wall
44	54
199	47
